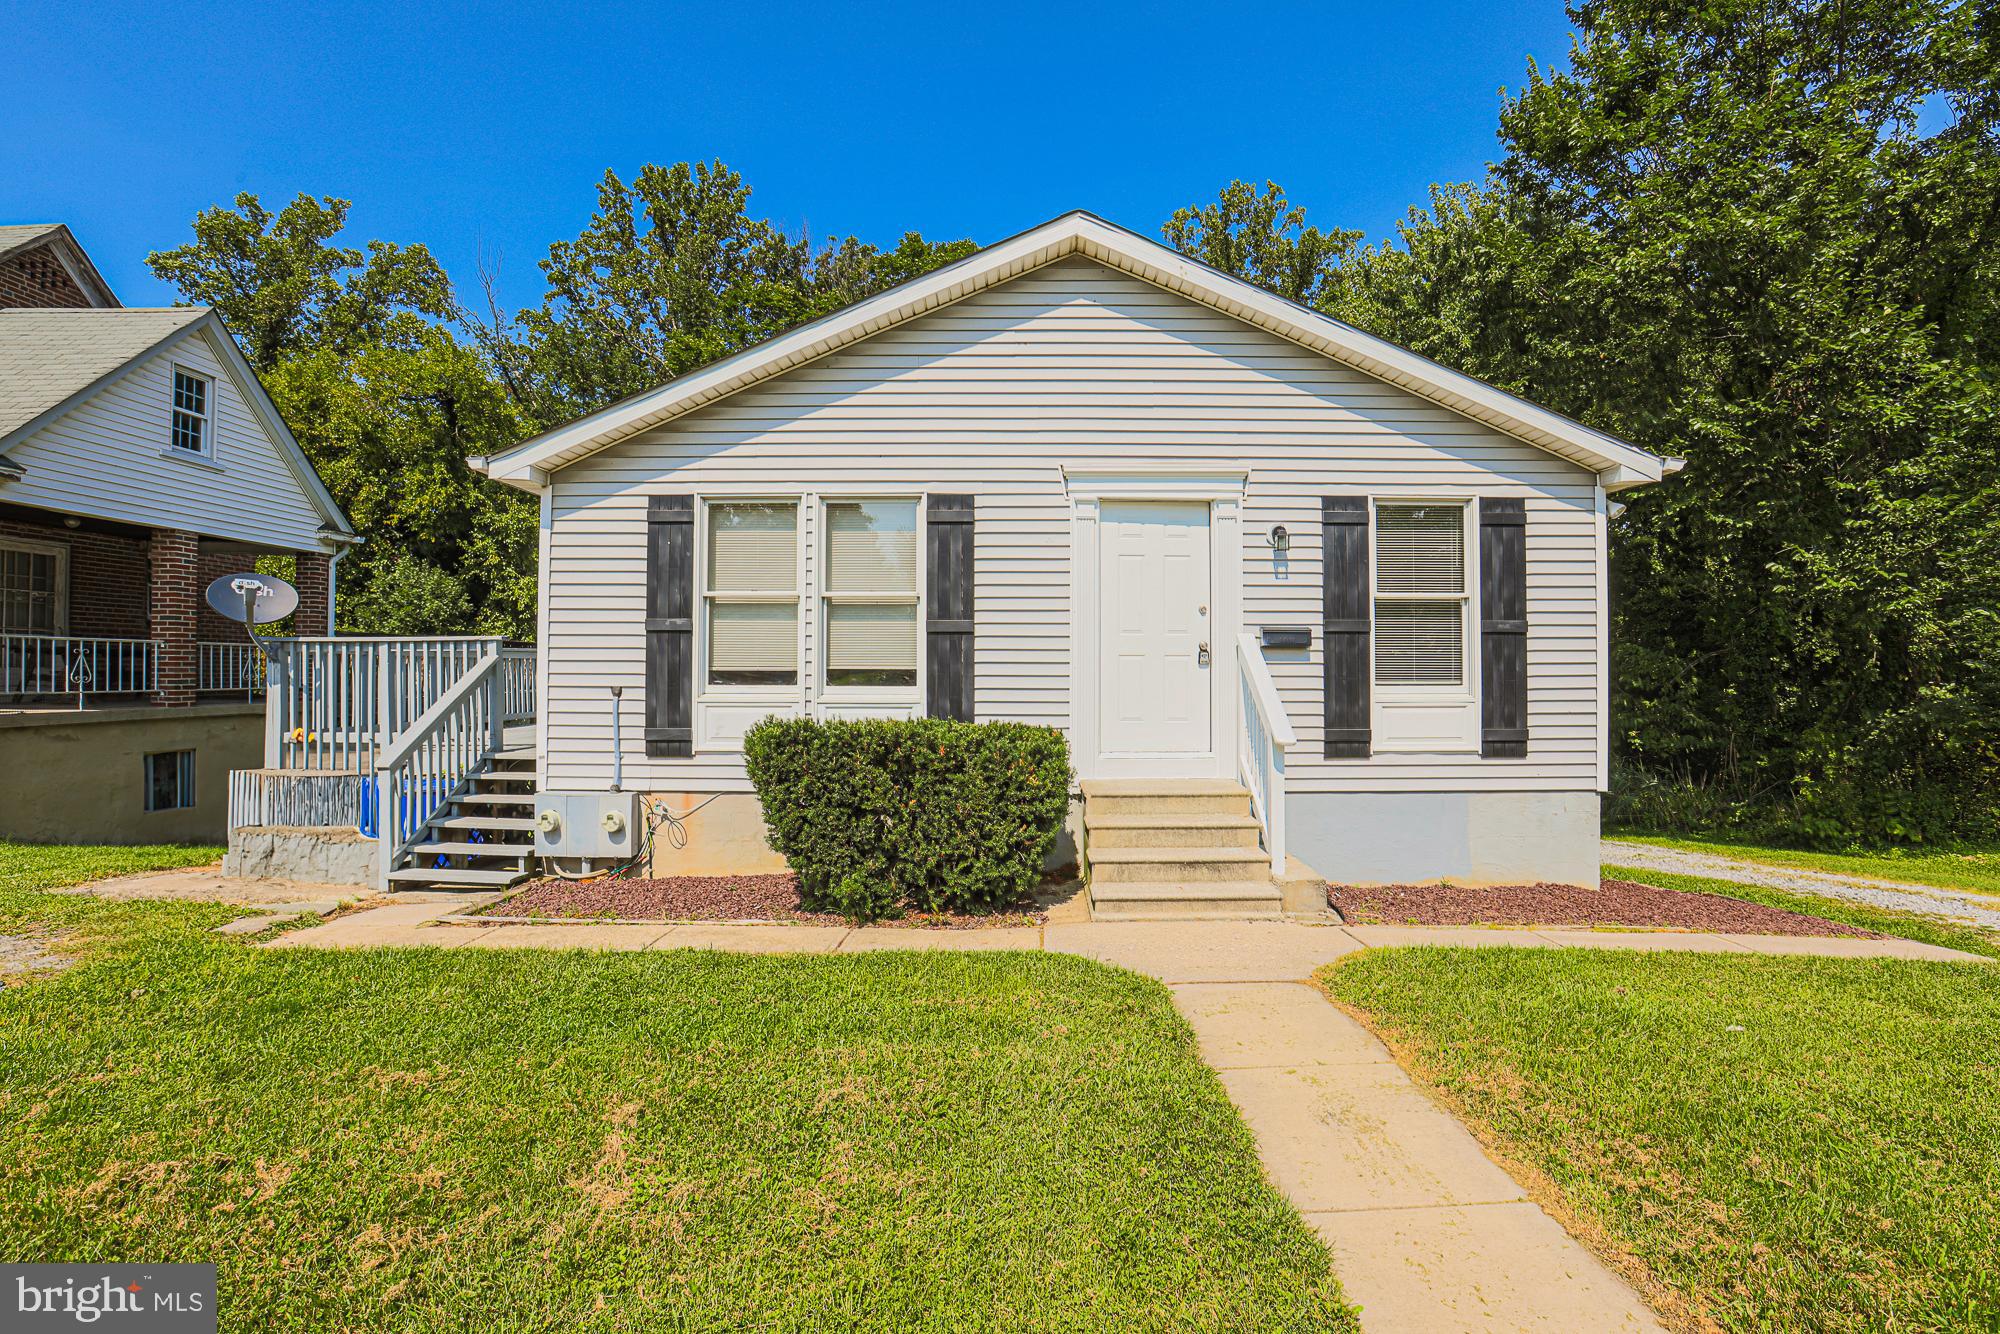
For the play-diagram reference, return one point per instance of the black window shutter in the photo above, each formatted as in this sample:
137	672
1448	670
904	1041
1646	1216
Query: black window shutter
670	626
1344	580
1503	629
948	624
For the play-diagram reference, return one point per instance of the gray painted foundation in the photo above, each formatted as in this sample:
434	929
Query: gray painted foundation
1494	838
314	856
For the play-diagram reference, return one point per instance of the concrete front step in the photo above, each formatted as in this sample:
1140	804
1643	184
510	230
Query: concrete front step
1187	829
1153	796
1236	899
1112	866
457	875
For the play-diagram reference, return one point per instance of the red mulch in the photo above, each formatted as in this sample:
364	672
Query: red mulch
1618	903
707	898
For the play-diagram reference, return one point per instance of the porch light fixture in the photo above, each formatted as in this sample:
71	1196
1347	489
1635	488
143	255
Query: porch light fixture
71	521
1281	541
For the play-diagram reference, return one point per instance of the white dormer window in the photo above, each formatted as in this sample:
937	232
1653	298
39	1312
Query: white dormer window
191	412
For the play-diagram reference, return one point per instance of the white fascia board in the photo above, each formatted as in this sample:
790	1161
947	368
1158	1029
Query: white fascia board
1080	233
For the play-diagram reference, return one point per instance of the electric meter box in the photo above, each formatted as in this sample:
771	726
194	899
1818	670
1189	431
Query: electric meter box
601	825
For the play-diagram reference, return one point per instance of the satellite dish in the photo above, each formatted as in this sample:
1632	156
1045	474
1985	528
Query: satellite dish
256	598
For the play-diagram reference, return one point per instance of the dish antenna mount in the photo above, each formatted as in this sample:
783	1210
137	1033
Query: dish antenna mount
254	599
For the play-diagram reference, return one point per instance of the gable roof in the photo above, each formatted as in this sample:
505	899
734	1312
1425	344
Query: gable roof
1617	463
51	359
24	236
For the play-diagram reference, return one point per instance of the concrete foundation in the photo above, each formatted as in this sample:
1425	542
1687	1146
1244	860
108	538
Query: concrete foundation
317	856
726	836
1495	838
80	777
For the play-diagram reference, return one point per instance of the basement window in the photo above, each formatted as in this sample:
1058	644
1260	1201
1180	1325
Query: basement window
170	780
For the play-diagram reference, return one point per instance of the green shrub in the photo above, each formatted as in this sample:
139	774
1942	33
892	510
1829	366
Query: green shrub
859	899
938	815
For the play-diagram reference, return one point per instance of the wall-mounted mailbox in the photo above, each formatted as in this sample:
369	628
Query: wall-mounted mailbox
1287	636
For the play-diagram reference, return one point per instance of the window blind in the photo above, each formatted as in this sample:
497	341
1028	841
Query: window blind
753	643
1420	549
1419	643
871	643
753	548
871	547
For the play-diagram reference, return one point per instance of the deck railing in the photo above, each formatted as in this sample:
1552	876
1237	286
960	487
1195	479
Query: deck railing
434	758
337	703
228	667
76	666
1266	734
517	683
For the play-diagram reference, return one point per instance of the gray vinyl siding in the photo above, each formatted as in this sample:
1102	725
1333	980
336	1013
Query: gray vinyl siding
105	458
1075	365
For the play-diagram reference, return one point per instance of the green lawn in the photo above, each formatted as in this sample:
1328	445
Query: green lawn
422	1140
1889	922
1977	870
1785	1143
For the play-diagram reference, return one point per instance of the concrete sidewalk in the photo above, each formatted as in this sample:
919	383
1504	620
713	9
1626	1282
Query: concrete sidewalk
1428	1234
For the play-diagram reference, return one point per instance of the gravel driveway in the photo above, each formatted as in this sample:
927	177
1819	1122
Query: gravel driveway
1970	909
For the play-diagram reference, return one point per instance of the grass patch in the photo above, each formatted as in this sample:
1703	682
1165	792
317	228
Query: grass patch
1910	926
53	865
1783	1143
1976	869
428	1139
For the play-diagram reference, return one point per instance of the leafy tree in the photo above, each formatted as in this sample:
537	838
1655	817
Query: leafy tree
672	273
1262	236
1723	231
357	351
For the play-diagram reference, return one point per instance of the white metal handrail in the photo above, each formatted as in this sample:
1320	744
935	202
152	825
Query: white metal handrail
61	665
517	683
232	667
434	759
1265	736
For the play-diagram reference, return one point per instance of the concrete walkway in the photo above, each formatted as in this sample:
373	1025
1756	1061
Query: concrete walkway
1966	906
1428	1234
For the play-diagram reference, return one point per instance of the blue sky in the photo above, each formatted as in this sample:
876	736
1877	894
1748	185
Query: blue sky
483	131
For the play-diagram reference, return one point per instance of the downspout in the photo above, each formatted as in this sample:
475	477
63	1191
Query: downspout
333	590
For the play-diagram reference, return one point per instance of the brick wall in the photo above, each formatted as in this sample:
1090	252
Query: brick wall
175	592
36	277
310	618
107	577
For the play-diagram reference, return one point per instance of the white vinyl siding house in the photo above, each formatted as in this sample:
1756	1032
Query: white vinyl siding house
122	451
1110	409
1073	367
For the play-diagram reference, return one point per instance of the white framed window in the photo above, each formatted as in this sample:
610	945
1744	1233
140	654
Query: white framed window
871	595
170	780
750	595
192	425
34	588
1422	595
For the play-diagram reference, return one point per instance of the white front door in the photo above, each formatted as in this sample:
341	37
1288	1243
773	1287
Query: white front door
1155	618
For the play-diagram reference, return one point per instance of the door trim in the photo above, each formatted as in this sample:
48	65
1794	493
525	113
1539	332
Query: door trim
1223	490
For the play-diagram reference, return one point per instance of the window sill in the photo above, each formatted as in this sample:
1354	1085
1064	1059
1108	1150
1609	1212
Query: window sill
198	460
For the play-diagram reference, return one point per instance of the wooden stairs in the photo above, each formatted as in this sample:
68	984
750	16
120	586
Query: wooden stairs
1170	849
483	838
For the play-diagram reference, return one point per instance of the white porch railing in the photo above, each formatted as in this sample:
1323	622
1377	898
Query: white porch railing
312	800
517	683
1266	734
337	703
435	757
228	667
64	665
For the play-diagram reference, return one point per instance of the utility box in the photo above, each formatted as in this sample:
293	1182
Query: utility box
604	826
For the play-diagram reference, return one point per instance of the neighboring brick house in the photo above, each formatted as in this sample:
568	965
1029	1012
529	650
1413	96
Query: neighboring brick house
140	458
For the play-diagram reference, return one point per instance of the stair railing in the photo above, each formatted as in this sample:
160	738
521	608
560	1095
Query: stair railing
434	758
1263	738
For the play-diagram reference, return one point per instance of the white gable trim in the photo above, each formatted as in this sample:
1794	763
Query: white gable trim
336	530
1620	464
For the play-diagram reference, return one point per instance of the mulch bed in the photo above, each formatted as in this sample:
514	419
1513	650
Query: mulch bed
708	898
1618	903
